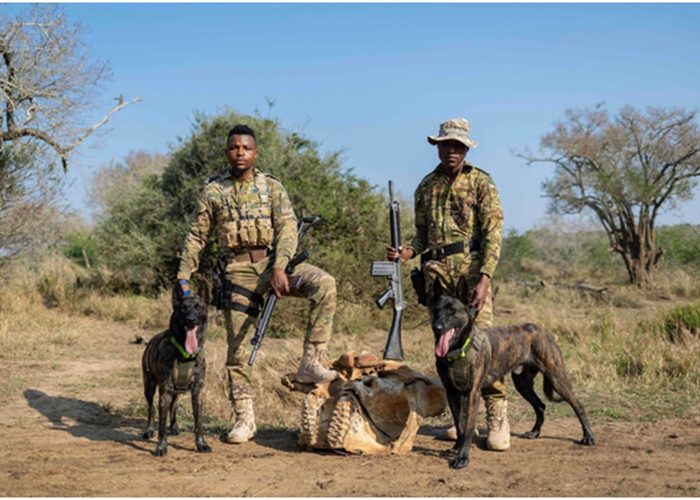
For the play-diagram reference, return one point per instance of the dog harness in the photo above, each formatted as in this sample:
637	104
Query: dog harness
182	375
460	361
183	367
474	341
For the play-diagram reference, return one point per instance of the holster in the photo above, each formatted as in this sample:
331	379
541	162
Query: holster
226	303
223	290
418	282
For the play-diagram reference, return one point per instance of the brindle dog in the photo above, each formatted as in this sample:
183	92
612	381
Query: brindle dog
173	362
523	350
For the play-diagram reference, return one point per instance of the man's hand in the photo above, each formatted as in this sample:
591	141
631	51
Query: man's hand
479	293
279	282
406	253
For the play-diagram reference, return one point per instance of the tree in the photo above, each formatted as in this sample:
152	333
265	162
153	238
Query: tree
626	170
144	227
47	82
47	87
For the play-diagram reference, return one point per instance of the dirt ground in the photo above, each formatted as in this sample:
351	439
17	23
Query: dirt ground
62	434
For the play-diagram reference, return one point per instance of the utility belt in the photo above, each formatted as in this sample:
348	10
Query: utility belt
253	255
437	253
443	251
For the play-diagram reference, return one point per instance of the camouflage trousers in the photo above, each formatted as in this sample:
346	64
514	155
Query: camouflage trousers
311	283
458	282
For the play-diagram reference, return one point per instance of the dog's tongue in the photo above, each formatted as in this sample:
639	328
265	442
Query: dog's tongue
191	344
443	343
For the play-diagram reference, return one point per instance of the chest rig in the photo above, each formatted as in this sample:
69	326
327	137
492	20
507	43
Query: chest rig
245	214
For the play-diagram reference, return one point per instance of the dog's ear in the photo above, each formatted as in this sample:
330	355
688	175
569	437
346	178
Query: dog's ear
180	291
438	290
177	294
203	287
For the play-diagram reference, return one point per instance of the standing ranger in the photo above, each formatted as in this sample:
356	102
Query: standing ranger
257	235
459	227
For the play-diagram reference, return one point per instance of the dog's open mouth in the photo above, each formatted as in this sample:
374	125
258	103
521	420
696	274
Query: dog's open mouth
443	344
191	344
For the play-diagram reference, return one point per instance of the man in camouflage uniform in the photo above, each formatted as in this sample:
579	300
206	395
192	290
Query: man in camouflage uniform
257	233
458	203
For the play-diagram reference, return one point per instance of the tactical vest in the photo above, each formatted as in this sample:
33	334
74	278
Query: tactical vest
246	219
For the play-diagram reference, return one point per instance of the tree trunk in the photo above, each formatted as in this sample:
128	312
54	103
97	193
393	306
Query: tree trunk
640	255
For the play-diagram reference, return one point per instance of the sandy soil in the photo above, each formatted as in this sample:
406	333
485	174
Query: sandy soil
62	434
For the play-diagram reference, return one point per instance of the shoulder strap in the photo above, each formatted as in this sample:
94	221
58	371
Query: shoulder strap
219	176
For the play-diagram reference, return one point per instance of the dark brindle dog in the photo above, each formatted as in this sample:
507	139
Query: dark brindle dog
468	359
173	362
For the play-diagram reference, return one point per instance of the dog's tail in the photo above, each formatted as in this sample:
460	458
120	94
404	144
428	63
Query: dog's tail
549	391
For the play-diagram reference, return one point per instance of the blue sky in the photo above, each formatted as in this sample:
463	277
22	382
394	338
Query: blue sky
375	79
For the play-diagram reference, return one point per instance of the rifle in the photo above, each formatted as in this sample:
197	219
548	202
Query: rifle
304	225
392	270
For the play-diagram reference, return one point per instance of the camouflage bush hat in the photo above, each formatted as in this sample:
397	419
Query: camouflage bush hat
456	129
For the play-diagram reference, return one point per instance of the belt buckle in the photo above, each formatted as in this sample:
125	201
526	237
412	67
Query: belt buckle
440	253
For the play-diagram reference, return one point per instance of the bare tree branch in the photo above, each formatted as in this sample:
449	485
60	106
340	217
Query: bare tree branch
48	80
48	90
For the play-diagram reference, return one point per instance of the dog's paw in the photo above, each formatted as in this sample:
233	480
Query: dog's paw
161	450
148	434
203	447
588	440
531	435
174	431
459	462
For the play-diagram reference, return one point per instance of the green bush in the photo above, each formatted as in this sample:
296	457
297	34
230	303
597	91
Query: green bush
681	245
516	249
681	321
80	247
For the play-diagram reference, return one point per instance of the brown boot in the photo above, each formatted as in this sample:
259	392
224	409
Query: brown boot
244	428
312	368
498	438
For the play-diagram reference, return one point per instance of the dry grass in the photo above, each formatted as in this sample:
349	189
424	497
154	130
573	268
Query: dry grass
623	363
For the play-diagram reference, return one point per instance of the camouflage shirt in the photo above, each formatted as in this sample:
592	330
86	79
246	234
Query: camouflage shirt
250	214
467	209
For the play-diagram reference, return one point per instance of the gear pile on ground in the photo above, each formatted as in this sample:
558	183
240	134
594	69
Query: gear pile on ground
374	406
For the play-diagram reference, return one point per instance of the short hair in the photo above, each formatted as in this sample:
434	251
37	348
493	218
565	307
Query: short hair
241	129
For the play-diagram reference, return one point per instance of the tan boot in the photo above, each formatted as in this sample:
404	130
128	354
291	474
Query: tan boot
312	368
498	438
244	428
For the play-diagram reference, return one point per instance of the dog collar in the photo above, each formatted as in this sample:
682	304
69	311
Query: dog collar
458	354
182	351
